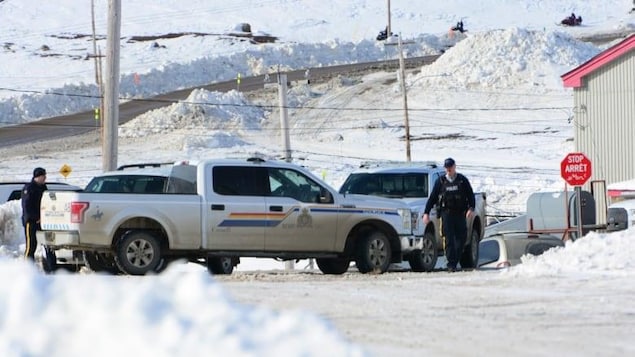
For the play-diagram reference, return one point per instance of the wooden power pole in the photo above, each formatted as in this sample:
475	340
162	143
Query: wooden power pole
111	91
284	132
388	28
402	75
284	117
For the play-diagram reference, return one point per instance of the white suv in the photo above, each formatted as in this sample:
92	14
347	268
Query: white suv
412	183
13	190
67	259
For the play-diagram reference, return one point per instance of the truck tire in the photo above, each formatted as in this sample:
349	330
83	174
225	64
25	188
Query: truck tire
220	265
424	260
373	253
138	253
334	266
101	262
469	259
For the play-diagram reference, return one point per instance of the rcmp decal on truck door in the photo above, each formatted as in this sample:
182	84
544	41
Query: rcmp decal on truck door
250	219
269	219
304	219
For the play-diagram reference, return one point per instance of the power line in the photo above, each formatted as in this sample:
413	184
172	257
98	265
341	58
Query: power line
364	109
167	130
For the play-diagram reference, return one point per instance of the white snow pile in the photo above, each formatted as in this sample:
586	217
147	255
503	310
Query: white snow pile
202	110
126	317
503	59
170	76
595	253
27	107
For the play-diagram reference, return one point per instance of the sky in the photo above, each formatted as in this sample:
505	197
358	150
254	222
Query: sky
494	101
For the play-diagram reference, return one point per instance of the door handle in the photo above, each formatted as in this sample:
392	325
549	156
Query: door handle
275	208
218	207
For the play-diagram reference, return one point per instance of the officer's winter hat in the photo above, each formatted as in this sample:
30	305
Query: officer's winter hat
449	162
38	171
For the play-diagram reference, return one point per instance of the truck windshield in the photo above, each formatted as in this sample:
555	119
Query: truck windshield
393	185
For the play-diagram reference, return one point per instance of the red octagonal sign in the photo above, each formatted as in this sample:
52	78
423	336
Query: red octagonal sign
575	169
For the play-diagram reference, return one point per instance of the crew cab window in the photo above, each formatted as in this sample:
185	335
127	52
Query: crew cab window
294	184
240	181
263	181
394	185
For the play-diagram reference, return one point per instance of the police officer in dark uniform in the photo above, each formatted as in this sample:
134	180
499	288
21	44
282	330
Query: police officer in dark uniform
31	197
455	198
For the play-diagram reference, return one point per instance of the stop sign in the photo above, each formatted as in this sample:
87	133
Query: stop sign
575	169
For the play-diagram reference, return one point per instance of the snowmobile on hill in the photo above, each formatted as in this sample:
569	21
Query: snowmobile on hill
383	34
459	27
571	20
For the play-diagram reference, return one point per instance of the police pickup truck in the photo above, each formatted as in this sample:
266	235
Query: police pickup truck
412	182
216	211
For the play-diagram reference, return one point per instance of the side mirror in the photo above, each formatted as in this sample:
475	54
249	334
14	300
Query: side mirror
326	197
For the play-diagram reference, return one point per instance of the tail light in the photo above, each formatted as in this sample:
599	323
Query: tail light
77	211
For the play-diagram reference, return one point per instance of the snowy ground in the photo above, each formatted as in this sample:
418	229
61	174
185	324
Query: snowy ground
494	102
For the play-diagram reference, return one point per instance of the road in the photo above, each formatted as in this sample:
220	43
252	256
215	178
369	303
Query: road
84	122
490	313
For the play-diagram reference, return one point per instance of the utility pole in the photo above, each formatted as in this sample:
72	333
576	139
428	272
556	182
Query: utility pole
388	33
111	95
284	132
402	75
98	75
92	12
284	118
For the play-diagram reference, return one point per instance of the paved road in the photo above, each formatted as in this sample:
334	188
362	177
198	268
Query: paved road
81	123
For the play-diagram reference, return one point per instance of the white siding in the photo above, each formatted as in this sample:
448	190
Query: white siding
604	108
605	119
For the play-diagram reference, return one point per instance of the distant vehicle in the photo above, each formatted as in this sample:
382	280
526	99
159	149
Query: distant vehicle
383	34
411	183
621	211
67	259
503	250
571	20
459	27
13	190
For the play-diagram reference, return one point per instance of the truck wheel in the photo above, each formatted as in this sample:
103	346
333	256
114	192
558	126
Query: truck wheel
373	253
138	253
424	259
220	265
469	259
335	266
101	262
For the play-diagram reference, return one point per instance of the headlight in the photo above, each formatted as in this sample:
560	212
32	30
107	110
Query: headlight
406	218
